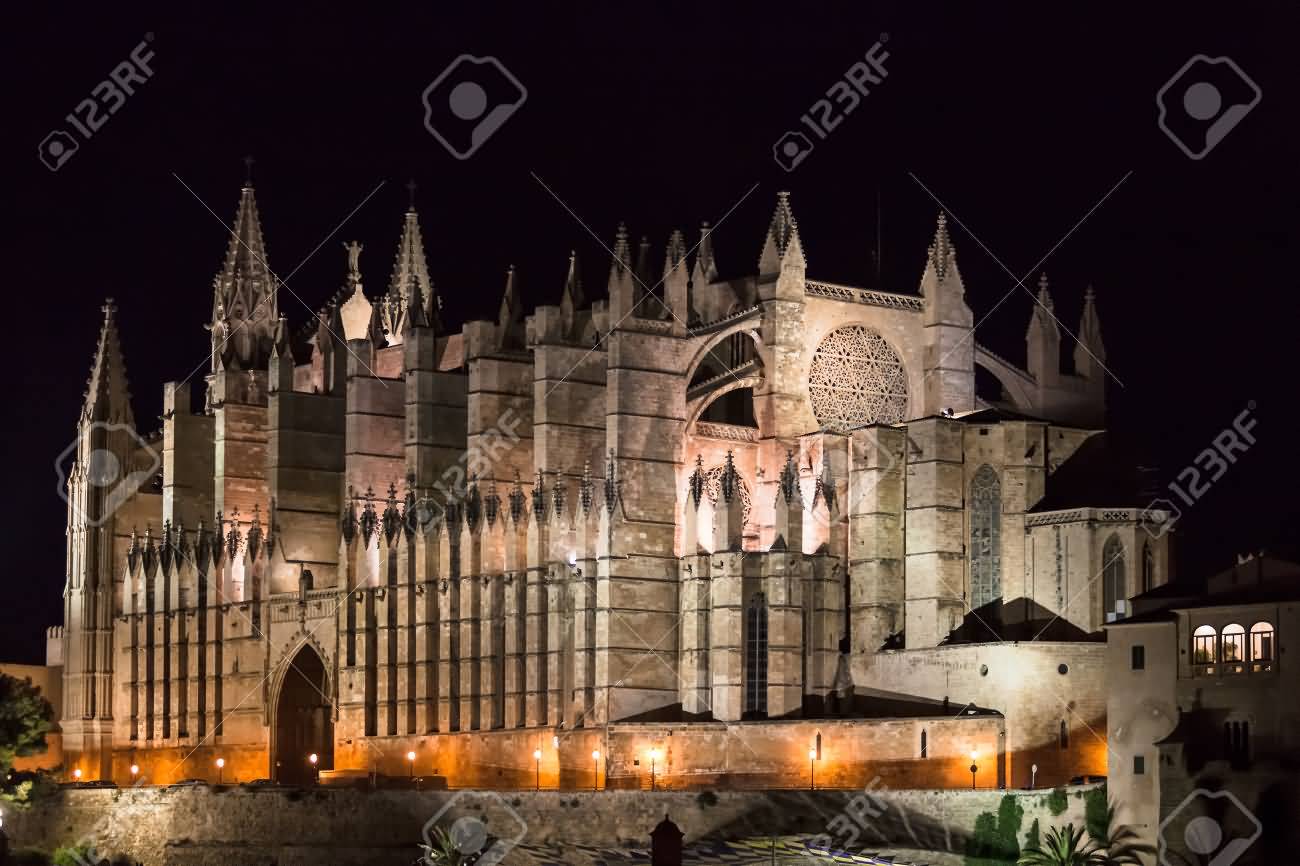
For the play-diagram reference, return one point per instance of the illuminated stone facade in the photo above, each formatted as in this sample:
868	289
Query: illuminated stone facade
728	508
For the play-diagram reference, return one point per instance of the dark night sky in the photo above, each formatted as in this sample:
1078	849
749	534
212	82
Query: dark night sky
1019	120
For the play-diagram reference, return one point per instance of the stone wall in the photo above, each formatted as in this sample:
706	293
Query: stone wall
197	826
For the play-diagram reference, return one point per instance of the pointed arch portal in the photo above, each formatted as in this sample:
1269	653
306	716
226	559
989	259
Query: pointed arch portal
304	721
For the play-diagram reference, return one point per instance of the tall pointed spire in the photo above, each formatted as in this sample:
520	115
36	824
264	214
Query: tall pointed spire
622	253
1090	351
572	299
509	311
108	397
410	271
1043	338
244	293
706	266
782	242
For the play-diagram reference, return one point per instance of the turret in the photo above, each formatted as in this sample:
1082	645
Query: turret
409	285
781	266
244	297
1043	339
1090	351
949	346
622	286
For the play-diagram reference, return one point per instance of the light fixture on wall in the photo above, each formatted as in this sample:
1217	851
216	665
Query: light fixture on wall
537	761
595	769
812	769
654	759
221	768
974	767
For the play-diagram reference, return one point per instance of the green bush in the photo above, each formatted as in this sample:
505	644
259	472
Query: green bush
996	839
1096	814
1057	802
74	855
1033	839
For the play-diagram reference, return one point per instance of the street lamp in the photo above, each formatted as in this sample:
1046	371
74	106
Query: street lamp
537	761
1033	775
76	774
312	759
221	766
595	769
974	768
410	760
812	769
135	770
654	757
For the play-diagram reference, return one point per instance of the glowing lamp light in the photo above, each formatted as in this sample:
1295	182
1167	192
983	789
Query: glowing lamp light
555	741
537	754
595	754
410	756
312	758
76	774
974	753
135	769
812	754
573	558
221	762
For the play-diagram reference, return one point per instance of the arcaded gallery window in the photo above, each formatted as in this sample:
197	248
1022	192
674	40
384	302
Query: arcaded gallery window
1112	574
985	537
1148	567
1262	651
1205	649
1233	647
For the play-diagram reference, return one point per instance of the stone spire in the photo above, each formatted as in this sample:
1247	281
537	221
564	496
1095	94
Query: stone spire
1043	338
108	397
782	245
571	300
410	276
508	314
622	288
1090	352
244	296
706	267
676	281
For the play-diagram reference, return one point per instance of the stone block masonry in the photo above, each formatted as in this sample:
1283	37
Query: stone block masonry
200	826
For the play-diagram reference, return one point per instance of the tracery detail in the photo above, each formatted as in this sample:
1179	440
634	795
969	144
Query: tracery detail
856	378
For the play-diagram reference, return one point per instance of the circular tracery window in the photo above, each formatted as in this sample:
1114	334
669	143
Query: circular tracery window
856	378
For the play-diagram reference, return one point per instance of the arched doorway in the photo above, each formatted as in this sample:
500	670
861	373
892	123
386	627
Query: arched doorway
304	721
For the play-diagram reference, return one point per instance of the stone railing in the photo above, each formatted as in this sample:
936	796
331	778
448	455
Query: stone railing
719	324
729	432
854	295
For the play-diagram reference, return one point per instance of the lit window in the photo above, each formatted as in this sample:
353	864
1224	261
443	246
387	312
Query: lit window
1114	586
985	537
1261	647
1233	647
1205	649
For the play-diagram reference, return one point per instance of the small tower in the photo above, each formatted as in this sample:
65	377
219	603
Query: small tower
409	279
1043	339
1090	352
676	281
782	266
949	345
622	287
244	297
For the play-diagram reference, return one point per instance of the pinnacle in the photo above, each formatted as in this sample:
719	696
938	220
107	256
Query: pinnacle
941	249
108	396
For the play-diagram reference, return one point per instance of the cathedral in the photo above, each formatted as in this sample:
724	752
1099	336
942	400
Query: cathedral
694	530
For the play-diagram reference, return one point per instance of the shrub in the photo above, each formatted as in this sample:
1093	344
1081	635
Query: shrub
1057	802
74	855
996	838
1096	814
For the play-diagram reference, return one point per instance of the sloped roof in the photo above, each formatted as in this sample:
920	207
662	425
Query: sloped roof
1097	475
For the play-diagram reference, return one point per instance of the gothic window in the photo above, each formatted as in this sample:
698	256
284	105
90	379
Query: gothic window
756	656
1261	647
1205	648
1148	567
925	746
1063	735
856	378
1112	573
1232	644
985	537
